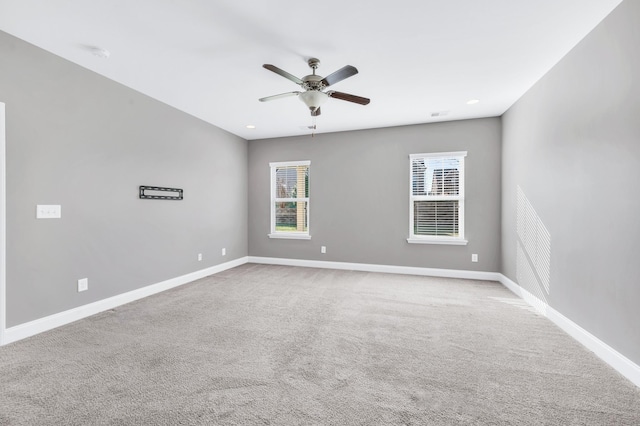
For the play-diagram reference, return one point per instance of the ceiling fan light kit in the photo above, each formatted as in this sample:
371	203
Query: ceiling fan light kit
314	95
313	99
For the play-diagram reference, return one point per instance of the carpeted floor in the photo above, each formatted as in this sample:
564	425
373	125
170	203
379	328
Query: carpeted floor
276	345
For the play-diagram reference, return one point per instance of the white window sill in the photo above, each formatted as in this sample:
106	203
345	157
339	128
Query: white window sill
290	236
453	242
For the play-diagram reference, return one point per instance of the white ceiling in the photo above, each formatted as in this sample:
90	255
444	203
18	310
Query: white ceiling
415	57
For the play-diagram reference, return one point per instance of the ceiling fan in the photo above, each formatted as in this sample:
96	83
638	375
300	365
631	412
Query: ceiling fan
314	95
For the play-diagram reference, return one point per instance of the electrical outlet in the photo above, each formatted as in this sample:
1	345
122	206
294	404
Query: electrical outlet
48	211
323	249
199	257
474	257
83	284
224	251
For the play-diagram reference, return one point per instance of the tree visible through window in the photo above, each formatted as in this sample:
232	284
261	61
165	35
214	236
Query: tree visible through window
290	199
437	198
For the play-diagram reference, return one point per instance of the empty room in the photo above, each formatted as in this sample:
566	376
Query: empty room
441	229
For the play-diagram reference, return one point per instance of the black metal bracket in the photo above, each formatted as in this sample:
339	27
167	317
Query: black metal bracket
157	193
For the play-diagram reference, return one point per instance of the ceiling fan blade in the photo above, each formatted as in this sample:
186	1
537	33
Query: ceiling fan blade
315	112
283	73
281	95
344	72
347	97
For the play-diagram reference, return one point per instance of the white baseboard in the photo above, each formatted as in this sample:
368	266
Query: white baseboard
389	269
31	328
22	331
615	359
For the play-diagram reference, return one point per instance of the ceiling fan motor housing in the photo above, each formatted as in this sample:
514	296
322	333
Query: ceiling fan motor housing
312	82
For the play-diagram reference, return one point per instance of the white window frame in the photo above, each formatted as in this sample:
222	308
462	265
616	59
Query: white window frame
296	235
438	239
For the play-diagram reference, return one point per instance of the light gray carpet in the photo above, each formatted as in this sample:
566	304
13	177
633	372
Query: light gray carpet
274	345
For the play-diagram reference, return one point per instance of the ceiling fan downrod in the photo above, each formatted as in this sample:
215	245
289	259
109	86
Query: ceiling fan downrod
313	64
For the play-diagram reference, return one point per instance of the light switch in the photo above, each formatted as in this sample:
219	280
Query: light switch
48	211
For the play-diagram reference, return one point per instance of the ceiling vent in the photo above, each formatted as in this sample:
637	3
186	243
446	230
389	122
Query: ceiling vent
439	114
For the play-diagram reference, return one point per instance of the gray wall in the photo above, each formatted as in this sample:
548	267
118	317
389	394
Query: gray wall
80	140
572	145
359	195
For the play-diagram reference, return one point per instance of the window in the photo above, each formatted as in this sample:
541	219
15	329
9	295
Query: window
290	200
436	194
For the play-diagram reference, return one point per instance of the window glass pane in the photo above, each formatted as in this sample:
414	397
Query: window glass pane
286	182
436	218
435	176
292	182
292	217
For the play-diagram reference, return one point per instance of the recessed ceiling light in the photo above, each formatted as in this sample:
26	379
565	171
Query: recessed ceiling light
472	101
100	52
250	126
